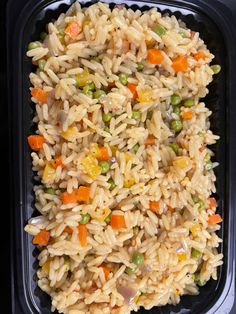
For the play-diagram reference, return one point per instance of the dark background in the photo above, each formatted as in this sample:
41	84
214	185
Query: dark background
5	193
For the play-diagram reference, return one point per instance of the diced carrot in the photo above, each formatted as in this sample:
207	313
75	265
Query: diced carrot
118	222
73	29
41	238
103	153
202	148
214	219
35	142
155	56
68	230
57	162
132	88
111	84
125	46
68	198
39	94
82	194
106	270
150	140
154	206
187	115
199	55
180	64
82	234
212	203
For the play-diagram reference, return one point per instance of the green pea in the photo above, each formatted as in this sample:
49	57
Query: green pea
176	125
140	66
176	110
216	68
88	87
108	219
175	100
104	165
201	204
200	283
41	64
136	115
131	270
87	92
123	78
183	34
195	199
106	129
43	35
188	103
195	253
106	117
50	191
149	115
209	165
84	219
112	184
138	258
175	147
96	59
135	148
33	45
91	86
98	93
159	30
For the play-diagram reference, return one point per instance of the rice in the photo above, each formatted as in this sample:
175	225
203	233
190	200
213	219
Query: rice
104	111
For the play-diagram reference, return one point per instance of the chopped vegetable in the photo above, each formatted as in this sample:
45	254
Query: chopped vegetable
84	219
182	162
83	78
182	257
154	206
144	94
175	100
41	64
195	253
82	234
176	110
188	103
68	230
214	219
176	125
106	129
159	30
46	267
108	219
138	258
131	270
39	94
216	68
41	238
48	173
43	35
150	140
106	117
73	30
212	203
140	66
101	214
91	166
106	271
128	182
187	115
155	56
136	115
50	191
36	142
70	134
112	184
33	45
123	78
68	198
180	64
132	88
199	55
103	153
128	293
183	34
87	92
118	222
104	165
195	229
175	147
57	162
207	157
136	148
135	231
82	194
98	93
208	165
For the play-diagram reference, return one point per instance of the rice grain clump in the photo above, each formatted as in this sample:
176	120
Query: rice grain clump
126	219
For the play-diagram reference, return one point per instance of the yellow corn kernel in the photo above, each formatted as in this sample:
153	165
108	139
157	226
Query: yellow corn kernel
182	162
70	134
46	267
48	173
95	151
91	166
177	292
182	256
195	229
128	157
128	182
100	214
137	297
144	94
86	22
83	78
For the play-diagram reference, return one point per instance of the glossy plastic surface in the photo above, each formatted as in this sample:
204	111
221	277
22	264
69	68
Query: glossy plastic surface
26	19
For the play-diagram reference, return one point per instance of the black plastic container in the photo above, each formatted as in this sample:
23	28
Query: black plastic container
25	20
